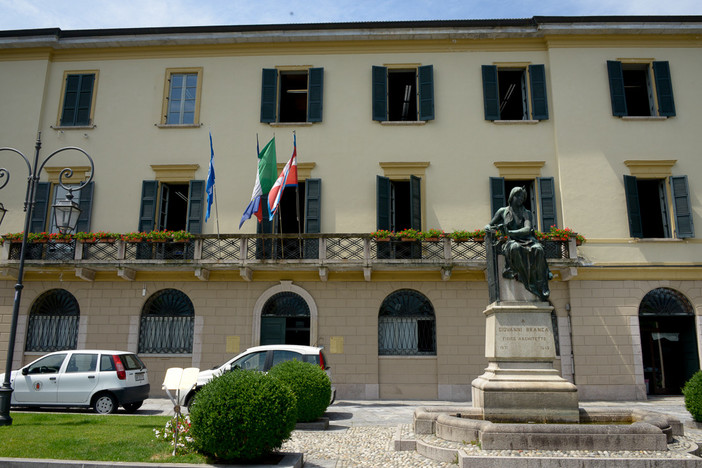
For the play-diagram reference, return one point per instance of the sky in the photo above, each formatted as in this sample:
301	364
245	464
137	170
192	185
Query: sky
100	14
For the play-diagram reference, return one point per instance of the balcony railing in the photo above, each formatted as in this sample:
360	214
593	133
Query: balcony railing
272	252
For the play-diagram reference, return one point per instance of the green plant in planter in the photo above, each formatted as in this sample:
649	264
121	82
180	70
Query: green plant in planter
133	236
432	234
693	396
409	234
382	234
181	235
242	415
309	383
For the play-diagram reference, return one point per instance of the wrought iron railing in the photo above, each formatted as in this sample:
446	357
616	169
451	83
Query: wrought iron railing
252	249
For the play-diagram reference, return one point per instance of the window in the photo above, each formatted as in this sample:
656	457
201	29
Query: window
47	365
78	99
181	104
292	96
53	322
399	206
308	199
403	94
515	92
253	361
47	194
173	206
648	207
406	325
640	89
541	198
80	362
167	323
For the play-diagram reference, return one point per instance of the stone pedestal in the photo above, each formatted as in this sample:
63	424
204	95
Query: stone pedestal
520	383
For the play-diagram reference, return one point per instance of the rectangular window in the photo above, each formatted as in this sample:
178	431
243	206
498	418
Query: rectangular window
640	89
541	198
172	206
292	96
515	92
648	207
403	94
182	97
78	99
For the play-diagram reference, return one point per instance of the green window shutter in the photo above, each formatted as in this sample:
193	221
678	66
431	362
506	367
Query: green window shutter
547	197
313	206
77	100
147	212
426	92
383	202
498	199
85	204
616	88
664	89
196	202
269	94
41	207
416	201
315	94
380	93
632	206
539	102
491	97
682	208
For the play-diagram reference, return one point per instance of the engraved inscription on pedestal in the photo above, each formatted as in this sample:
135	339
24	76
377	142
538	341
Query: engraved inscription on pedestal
526	336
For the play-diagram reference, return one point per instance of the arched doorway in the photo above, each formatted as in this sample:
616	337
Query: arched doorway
668	341
285	319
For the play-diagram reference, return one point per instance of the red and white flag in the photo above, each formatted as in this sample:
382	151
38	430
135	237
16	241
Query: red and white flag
287	178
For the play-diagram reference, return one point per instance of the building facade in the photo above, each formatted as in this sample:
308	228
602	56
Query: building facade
423	125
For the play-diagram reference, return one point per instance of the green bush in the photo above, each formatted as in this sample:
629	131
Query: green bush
693	396
242	415
310	384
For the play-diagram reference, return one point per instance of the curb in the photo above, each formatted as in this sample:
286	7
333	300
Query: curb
290	460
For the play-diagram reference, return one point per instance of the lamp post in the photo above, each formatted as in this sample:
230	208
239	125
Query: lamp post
66	212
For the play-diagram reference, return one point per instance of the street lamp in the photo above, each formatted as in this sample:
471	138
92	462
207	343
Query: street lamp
66	216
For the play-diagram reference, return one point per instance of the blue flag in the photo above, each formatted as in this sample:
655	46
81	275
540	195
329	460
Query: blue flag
209	188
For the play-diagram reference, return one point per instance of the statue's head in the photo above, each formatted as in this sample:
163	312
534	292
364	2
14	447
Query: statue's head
517	191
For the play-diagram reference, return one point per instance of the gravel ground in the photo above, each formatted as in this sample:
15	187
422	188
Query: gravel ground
362	446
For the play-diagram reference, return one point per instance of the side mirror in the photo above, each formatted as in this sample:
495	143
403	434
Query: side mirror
25	371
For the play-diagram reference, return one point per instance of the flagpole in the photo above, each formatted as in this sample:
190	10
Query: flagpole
297	204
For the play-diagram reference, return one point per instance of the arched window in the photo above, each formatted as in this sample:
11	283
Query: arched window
665	302
53	322
167	324
406	325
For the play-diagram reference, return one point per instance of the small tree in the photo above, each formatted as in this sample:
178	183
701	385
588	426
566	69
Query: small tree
310	384
242	415
693	396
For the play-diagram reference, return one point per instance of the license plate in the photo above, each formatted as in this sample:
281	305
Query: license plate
139	376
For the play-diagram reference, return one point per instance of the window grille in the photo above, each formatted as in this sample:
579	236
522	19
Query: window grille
53	322
286	304
167	324
406	325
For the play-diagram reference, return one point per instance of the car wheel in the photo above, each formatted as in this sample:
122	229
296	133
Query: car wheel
132	407
105	404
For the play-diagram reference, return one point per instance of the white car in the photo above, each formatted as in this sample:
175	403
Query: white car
262	358
101	379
